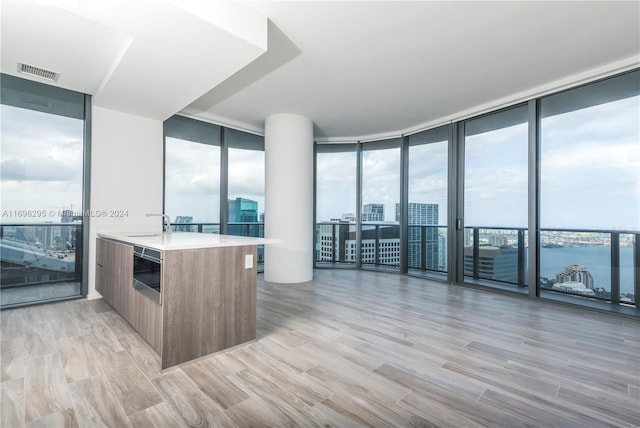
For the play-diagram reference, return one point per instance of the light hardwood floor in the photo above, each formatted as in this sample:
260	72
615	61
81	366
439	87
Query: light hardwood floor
350	348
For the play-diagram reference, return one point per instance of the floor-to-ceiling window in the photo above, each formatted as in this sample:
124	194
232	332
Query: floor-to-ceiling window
42	151
380	233
245	185
336	169
590	190
568	163
496	197
192	175
428	204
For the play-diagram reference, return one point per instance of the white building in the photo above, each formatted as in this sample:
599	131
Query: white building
575	273
573	287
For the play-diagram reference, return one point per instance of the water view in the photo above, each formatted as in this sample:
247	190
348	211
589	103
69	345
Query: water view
597	260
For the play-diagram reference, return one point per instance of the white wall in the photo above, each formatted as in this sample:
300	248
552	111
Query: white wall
126	175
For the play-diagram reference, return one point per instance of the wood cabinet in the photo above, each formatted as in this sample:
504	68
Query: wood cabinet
114	272
209	301
101	280
114	280
208	298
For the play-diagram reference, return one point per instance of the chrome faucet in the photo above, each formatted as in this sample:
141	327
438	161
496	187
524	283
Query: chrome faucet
166	221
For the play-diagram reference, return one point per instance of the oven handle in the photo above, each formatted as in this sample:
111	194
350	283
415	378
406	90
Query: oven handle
146	253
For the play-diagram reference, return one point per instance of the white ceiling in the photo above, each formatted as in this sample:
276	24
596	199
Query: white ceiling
355	68
149	58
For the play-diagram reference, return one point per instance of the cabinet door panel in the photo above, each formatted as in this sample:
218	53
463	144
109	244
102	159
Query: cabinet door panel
114	275
123	280
100	262
124	275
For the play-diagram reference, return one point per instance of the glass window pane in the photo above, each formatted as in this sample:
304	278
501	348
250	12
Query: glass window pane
380	195
336	186
41	165
496	197
428	187
336	204
246	192
42	151
245	185
627	293
590	187
192	182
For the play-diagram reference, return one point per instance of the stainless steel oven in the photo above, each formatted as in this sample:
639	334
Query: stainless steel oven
147	271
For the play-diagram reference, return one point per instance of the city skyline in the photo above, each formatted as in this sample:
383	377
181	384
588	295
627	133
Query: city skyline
592	161
600	162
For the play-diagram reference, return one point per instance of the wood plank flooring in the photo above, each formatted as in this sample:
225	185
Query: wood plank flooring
349	349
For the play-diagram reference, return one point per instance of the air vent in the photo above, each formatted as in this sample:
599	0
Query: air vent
38	72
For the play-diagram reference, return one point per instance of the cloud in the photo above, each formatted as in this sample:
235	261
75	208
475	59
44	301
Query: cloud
192	185
42	161
590	167
192	169
247	175
495	177
336	171
39	147
335	185
39	169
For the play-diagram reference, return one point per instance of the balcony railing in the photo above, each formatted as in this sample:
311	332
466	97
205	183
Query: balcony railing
591	250
336	244
594	264
427	250
33	254
196	227
496	254
252	229
331	243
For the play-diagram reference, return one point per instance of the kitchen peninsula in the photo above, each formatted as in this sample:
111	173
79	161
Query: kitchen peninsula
187	294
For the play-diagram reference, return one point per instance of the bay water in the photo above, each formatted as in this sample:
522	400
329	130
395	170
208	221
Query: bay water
597	260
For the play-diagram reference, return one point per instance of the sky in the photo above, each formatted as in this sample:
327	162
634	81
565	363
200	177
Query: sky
590	167
193	179
381	179
495	175
590	172
192	182
41	164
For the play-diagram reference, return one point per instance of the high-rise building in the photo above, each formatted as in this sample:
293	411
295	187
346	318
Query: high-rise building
575	273
67	216
420	214
373	212
495	263
351	217
182	227
442	252
67	239
422	237
332	239
468	237
243	210
382	243
498	240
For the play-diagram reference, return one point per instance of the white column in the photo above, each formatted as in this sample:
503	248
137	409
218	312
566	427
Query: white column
289	198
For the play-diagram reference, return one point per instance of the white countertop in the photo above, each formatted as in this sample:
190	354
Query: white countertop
185	240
